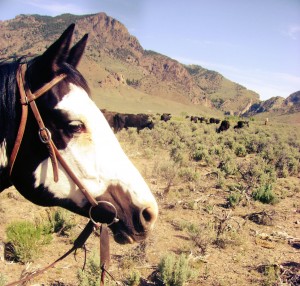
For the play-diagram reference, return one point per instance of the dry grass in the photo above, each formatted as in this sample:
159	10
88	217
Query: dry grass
250	243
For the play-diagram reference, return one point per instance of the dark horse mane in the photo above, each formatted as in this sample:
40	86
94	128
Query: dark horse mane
8	100
9	115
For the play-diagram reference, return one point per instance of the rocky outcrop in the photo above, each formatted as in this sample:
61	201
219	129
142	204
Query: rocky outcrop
277	105
292	103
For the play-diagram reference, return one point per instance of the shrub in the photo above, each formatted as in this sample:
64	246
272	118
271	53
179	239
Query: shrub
167	171
188	174
176	155
271	274
228	166
174	271
287	163
60	221
216	150
92	273
226	232
129	136
240	150
257	173
201	154
133	256
201	236
265	195
147	138
134	278
27	239
198	155
230	143
234	198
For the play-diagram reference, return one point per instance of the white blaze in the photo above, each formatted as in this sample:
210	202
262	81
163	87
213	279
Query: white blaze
3	157
95	156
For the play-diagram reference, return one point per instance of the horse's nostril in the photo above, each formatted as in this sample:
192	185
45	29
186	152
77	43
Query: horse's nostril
148	217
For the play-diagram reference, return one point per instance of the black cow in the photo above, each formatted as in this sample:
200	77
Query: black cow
214	120
166	117
241	124
194	119
224	126
139	121
118	121
201	119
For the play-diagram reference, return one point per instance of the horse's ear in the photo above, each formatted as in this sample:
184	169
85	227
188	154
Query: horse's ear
58	51
76	52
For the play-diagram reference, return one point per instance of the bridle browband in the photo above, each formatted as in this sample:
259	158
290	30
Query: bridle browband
27	98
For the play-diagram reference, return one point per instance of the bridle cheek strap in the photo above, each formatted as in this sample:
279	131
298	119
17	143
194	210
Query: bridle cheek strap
28	98
23	121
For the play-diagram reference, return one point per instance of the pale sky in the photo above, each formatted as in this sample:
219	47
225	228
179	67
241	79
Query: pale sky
255	43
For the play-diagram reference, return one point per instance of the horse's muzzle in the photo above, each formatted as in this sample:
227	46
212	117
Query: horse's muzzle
135	230
128	222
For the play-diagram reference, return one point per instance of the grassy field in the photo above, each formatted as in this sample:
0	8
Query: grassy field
229	211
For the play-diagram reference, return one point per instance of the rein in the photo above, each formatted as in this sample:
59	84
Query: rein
79	243
27	98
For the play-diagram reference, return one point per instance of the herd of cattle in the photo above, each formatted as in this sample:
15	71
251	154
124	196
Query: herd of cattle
118	121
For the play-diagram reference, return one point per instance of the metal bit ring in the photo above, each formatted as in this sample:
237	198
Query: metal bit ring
115	219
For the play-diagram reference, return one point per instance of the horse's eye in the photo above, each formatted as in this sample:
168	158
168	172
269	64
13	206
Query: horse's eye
75	126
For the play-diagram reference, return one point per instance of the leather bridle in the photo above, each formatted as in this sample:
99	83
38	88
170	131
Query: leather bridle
27	98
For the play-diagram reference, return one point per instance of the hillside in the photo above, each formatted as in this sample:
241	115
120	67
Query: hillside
118	68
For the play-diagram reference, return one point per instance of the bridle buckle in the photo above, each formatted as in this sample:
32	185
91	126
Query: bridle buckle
46	137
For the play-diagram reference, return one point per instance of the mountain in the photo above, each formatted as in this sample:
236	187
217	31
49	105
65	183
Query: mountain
118	68
277	105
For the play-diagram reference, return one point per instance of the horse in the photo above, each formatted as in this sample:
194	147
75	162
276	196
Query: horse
65	154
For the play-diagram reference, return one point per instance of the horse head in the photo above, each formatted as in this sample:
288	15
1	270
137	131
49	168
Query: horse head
84	139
